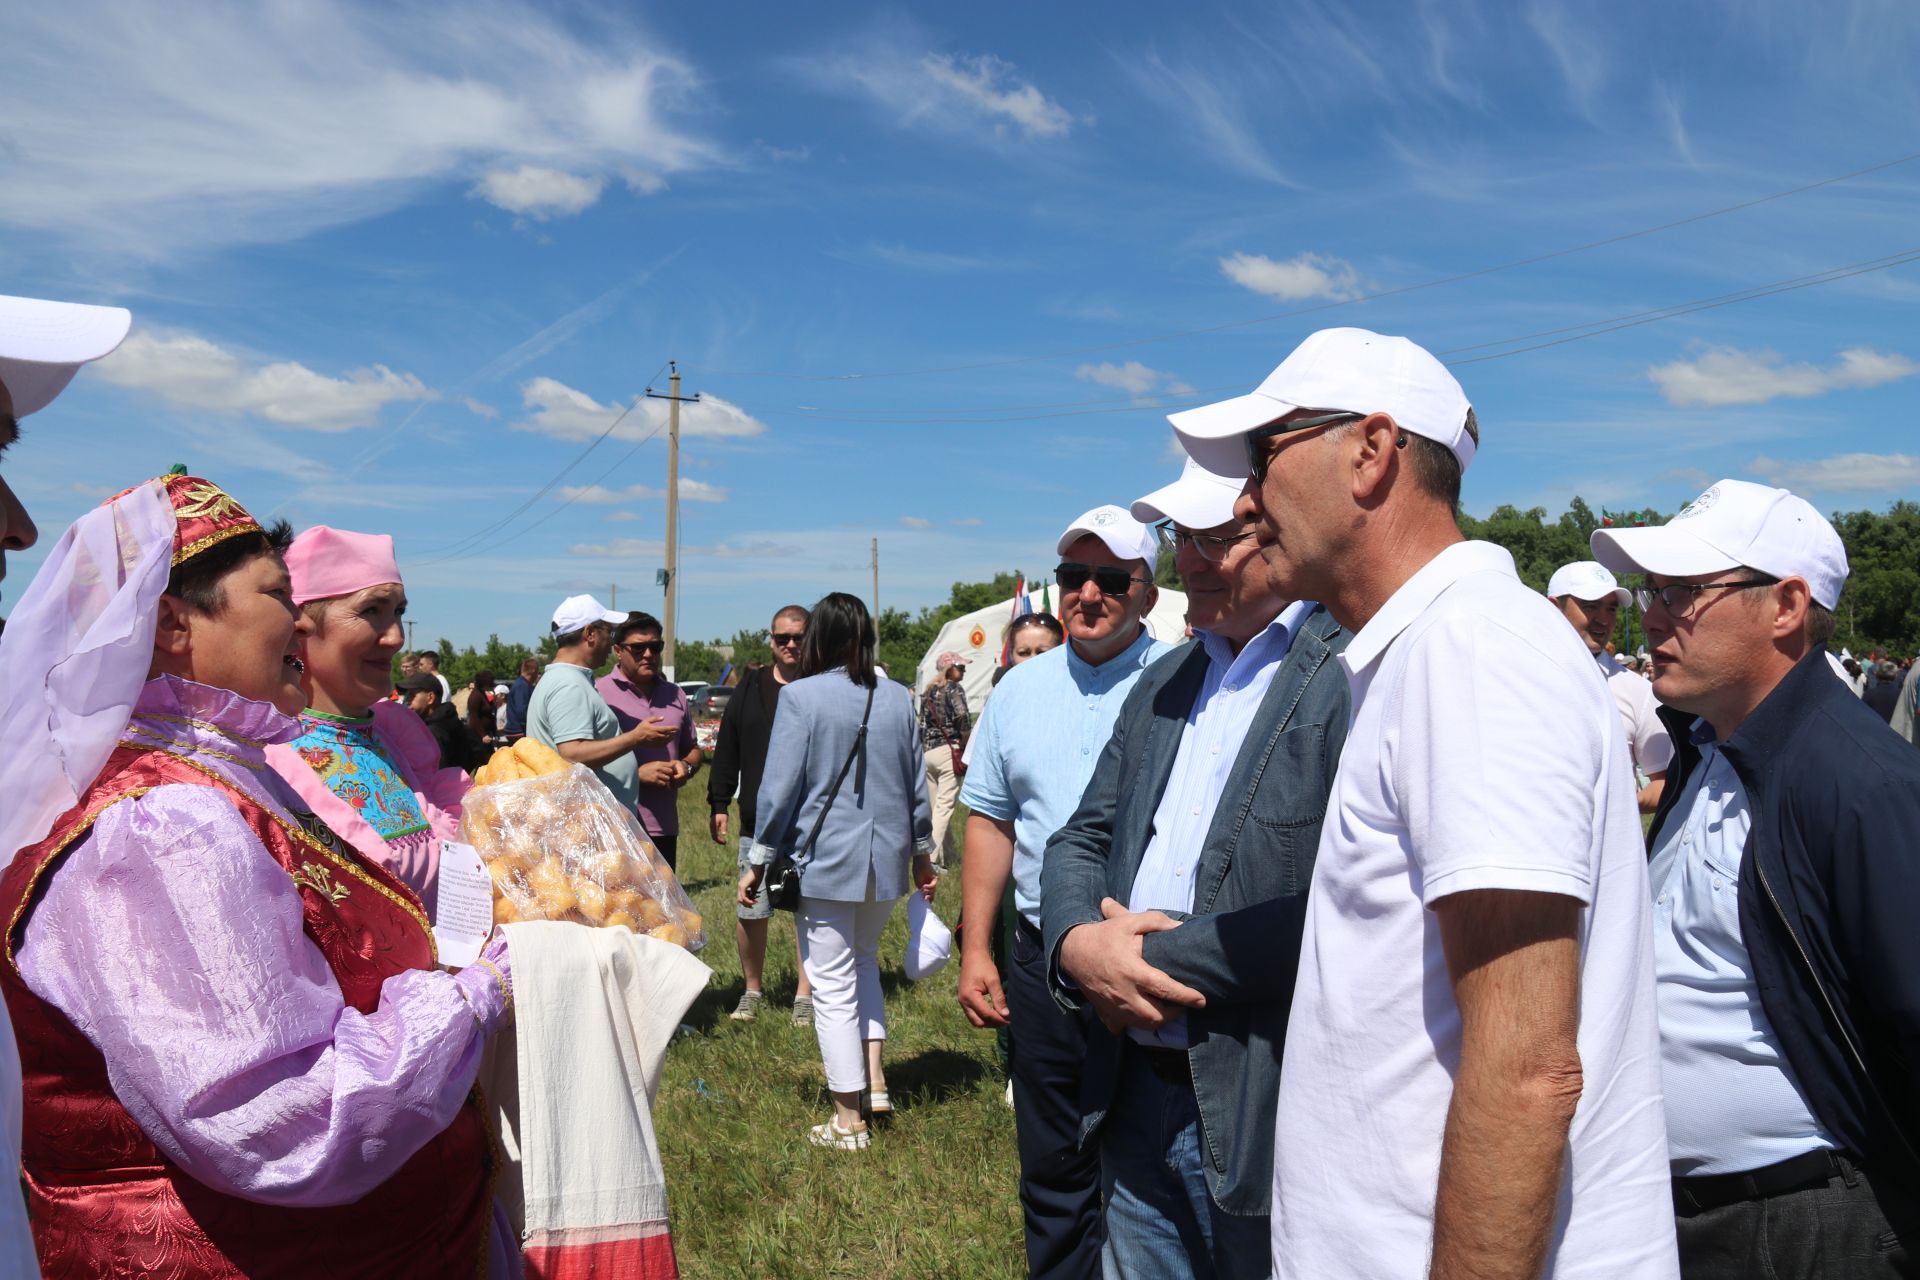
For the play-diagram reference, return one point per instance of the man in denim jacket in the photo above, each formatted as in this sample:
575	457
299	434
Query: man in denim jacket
1785	892
1204	810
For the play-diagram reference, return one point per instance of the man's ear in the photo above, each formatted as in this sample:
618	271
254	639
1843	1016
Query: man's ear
1791	598
1374	453
173	628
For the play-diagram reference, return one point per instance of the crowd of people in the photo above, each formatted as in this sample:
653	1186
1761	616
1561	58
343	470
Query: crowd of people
1389	922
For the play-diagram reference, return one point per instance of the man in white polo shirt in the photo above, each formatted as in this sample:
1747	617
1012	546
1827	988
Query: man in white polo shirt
1589	597
1471	1084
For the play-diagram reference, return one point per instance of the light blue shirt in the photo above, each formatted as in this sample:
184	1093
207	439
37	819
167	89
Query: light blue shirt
1230	696
1732	1101
1037	742
567	708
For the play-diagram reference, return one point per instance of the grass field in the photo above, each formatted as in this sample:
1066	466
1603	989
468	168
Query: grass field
935	1194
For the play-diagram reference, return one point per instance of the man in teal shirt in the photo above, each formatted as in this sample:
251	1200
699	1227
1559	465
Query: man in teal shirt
568	713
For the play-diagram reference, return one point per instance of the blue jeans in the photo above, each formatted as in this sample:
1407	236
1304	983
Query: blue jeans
1161	1221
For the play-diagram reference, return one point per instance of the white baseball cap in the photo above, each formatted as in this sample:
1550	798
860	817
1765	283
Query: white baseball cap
1586	580
1124	536
576	613
1735	524
43	344
1336	369
1199	499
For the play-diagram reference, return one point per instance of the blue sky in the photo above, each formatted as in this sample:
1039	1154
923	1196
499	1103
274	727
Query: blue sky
392	267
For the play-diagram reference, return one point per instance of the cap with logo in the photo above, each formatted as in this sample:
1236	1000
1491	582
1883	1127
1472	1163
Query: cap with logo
949	659
1199	499
1126	537
1352	370
576	613
1733	525
43	344
1586	580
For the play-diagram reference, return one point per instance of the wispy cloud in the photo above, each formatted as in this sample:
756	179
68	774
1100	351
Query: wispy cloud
900	255
1730	376
967	522
1575	49
1134	378
916	522
1202	100
191	372
976	95
1845	473
599	495
1309	275
556	409
629	548
148	131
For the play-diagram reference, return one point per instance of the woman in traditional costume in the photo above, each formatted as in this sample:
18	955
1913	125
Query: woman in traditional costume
367	766
240	1056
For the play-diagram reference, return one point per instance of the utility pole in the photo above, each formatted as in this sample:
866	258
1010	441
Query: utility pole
613	595
672	572
409	635
876	586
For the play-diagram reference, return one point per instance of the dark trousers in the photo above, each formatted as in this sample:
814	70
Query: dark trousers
1852	1228
669	847
1059	1183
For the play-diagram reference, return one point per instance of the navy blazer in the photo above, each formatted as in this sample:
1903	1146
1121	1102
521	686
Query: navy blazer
1241	945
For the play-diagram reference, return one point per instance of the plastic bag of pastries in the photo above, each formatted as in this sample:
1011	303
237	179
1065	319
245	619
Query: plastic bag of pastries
560	847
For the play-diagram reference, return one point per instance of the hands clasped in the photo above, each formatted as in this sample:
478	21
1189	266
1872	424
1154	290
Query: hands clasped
1106	961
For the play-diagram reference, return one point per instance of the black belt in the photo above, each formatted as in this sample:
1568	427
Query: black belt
1798	1173
1171	1065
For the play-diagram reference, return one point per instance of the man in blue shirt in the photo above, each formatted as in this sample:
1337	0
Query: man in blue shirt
1034	750
1204	812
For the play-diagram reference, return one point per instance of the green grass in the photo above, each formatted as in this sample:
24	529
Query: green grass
934	1195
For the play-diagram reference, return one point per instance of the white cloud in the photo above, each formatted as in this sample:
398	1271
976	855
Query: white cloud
954	93
536	192
1729	376
599	495
149	130
1134	378
916	522
479	407
1213	108
900	255
557	410
969	522
1310	275
637	548
1849	473
191	372
622	517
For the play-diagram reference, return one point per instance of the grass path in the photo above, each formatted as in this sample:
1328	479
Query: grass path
935	1194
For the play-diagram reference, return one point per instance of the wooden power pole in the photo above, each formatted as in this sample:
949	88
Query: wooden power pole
671	574
876	586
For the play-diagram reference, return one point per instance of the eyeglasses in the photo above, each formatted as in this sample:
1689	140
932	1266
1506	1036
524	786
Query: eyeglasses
1111	580
639	647
1679	599
1211	546
778	637
1258	456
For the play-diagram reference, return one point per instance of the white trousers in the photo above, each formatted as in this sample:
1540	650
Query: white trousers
840	950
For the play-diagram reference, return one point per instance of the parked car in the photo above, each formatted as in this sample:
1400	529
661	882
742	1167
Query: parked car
706	706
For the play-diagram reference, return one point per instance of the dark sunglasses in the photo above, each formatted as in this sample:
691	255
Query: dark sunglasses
1111	581
639	647
778	637
1258	455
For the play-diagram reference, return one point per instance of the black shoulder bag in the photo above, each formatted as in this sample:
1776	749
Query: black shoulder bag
782	885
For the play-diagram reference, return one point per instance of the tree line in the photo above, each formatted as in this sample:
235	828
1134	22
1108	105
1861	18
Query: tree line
1880	607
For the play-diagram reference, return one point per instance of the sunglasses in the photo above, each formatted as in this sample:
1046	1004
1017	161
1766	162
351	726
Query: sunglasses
639	647
778	637
1258	455
1110	580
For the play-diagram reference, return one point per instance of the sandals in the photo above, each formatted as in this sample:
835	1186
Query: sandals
832	1137
875	1104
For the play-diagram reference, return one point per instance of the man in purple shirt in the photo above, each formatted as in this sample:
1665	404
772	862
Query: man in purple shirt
637	692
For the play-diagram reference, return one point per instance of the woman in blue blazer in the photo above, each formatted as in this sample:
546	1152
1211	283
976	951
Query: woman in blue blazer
857	870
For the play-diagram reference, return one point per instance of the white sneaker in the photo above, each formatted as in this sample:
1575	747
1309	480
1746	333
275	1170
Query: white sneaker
833	1137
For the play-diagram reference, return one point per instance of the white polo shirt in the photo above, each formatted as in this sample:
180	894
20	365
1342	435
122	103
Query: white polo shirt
1453	779
1649	744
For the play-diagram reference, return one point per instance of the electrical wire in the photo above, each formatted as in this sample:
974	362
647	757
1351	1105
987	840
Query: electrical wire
1073	352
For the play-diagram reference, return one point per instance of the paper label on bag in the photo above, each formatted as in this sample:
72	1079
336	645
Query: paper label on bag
463	914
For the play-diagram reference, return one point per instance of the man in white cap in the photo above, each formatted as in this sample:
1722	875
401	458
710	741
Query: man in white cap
1786	890
1034	751
1204	810
1590	598
568	713
42	345
1471	1081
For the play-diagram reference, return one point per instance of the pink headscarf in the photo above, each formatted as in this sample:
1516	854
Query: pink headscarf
326	562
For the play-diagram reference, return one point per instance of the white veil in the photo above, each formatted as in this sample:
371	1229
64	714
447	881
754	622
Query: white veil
74	657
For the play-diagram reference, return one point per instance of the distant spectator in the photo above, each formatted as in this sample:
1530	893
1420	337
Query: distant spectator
945	725
429	664
422	695
482	714
514	727
1882	692
669	756
568	713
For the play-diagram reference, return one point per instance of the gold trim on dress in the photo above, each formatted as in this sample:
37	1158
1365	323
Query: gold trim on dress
257	766
208	725
218	536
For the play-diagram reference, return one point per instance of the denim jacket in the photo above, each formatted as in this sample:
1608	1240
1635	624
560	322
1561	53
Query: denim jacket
1241	945
1829	900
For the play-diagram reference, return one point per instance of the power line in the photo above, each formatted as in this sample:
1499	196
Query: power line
1071	353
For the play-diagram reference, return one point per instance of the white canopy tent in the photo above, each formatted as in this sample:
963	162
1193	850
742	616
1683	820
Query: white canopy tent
978	636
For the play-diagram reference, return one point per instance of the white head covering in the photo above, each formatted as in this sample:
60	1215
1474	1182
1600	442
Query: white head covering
929	941
75	656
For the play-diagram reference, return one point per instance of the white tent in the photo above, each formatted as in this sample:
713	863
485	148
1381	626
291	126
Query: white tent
978	636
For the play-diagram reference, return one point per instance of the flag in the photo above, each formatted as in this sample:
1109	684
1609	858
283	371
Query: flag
1006	642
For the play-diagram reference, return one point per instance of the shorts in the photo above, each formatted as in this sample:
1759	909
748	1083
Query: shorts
762	908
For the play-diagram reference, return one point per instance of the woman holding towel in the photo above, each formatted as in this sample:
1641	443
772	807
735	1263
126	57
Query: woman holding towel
845	795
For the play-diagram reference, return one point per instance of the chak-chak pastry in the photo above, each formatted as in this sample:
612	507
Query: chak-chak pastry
620	919
592	900
669	932
539	759
550	884
649	914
